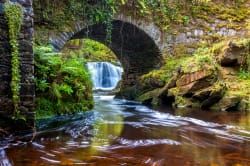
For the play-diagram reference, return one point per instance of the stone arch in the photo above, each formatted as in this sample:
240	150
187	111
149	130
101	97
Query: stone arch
137	51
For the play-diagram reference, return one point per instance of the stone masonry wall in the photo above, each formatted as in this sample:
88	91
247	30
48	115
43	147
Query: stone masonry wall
185	37
27	91
198	31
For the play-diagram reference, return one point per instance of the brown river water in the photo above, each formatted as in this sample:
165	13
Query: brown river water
126	133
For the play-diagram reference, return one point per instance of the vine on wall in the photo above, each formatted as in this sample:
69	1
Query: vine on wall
58	14
13	13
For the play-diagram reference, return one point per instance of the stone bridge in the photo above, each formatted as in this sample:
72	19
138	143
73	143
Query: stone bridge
139	45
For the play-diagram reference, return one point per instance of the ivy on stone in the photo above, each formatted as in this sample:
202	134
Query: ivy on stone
13	14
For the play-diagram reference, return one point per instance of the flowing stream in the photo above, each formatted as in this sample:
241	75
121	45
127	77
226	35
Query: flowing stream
125	133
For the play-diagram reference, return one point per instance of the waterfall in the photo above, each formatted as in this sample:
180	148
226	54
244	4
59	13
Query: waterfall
104	75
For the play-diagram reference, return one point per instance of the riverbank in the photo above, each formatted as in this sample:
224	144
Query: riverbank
213	78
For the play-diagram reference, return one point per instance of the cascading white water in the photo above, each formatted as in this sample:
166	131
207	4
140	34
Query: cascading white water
104	75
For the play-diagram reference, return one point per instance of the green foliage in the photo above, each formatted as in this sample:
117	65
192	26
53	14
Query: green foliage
90	50
161	12
166	71
166	14
186	19
243	75
13	13
156	75
235	11
59	14
62	83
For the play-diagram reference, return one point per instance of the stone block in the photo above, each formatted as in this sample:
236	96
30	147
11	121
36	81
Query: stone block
25	46
27	89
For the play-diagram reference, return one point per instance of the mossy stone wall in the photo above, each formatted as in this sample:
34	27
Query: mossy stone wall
27	88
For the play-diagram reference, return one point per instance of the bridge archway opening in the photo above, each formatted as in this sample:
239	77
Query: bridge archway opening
102	64
134	48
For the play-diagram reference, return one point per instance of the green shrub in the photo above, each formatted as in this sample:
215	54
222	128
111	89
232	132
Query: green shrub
90	50
62	84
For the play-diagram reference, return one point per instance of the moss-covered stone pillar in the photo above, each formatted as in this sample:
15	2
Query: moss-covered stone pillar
8	124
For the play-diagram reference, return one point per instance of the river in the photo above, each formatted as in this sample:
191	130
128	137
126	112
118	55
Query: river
125	133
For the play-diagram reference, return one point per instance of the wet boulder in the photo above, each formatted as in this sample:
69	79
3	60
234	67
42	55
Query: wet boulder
159	95
229	103
189	83
163	92
215	93
197	89
244	104
129	93
202	94
150	98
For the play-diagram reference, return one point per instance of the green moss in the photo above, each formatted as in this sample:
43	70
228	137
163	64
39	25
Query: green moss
181	101
150	97
173	91
205	17
206	27
241	88
247	25
156	76
13	13
180	50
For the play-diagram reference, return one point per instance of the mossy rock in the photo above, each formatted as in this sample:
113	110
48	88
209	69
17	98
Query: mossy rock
152	80
229	103
193	87
179	100
244	104
182	102
216	93
130	93
151	97
234	53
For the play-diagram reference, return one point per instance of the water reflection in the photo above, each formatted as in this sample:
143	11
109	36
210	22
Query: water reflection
107	126
120	132
242	120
